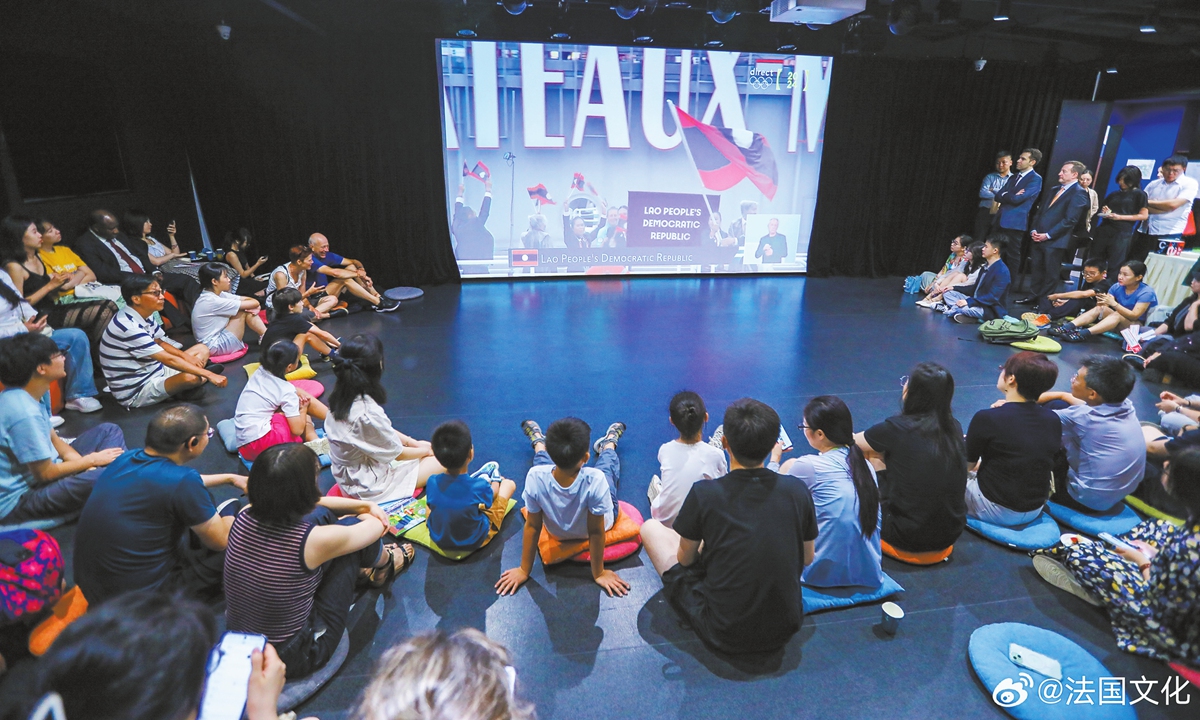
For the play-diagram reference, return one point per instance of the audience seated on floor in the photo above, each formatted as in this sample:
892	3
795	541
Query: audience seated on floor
757	530
337	275
289	322
1093	280
294	274
1175	351
1012	445
150	522
1128	302
271	410
846	496
141	364
144	656
295	558
1151	592
41	475
1105	453
371	460
955	265
89	314
464	676
465	511
923	454
990	296
685	461
963	282
220	318
569	499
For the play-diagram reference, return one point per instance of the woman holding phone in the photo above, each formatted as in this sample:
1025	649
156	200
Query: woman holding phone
1128	302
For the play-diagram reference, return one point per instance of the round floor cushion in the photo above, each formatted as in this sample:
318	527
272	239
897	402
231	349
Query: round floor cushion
298	691
230	357
1025	693
400	294
312	387
1041	533
619	550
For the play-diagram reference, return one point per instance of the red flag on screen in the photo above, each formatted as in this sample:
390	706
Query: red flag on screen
577	181
724	156
480	172
538	192
523	257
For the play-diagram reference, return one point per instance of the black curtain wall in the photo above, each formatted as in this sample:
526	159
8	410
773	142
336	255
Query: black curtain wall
907	143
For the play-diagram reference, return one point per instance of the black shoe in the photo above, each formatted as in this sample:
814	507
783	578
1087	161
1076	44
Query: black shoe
338	312
386	304
196	394
615	431
965	319
1027	301
1137	362
215	368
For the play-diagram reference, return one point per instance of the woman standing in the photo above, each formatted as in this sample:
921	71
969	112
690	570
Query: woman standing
1121	211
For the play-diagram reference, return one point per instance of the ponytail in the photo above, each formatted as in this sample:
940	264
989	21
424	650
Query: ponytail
359	369
829	414
687	413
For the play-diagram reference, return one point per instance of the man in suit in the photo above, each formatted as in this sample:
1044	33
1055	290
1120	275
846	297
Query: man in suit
474	240
1053	227
1016	200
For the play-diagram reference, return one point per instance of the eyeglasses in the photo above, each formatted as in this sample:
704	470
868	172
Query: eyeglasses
155	293
903	381
210	432
802	426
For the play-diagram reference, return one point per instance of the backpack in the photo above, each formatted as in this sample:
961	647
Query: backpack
31	574
1003	331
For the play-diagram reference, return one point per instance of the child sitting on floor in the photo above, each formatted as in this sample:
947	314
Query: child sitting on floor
465	511
271	410
289	323
572	501
685	461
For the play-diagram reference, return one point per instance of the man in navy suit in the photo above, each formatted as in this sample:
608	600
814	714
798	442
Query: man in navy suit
1016	200
1053	227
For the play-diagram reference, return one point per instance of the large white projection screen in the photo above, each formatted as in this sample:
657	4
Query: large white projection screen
593	159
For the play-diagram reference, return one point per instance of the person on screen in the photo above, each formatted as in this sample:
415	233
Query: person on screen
611	233
536	236
772	248
714	235
737	229
474	240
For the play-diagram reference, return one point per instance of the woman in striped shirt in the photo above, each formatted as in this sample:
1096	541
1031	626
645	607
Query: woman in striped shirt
295	557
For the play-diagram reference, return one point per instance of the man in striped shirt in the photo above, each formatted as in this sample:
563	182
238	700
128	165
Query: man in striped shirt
141	364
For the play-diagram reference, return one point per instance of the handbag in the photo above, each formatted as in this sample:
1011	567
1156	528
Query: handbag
88	291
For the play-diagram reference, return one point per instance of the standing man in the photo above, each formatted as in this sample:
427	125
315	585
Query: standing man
474	240
993	183
1170	200
1016	200
1053	227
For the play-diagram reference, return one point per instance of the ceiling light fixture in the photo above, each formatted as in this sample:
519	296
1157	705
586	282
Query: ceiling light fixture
627	9
467	33
722	11
1003	8
514	7
1150	24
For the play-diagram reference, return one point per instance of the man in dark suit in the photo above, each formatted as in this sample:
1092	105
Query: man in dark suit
1055	223
474	240
1016	200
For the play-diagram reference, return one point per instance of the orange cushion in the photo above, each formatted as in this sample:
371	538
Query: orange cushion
555	551
932	557
69	608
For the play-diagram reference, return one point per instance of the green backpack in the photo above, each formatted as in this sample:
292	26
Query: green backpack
1003	331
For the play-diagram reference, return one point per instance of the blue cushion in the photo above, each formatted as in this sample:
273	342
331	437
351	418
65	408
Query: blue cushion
1041	533
325	460
988	654
404	293
818	599
228	432
1120	519
41	523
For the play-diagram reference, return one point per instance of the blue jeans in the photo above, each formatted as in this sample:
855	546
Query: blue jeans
74	343
607	462
951	298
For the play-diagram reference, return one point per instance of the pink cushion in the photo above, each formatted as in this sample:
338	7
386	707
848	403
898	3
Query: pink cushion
312	387
230	357
335	491
620	550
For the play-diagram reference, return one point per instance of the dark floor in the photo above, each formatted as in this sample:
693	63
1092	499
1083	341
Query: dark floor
494	354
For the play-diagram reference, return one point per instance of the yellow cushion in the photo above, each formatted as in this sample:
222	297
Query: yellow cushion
304	372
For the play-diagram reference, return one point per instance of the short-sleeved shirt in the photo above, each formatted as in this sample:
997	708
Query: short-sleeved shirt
133	522
842	556
211	313
126	353
1128	300
455	518
60	259
565	510
264	395
286	327
1175	221
1017	443
923	490
1105	450
681	465
24	439
1123	202
754	523
13	317
331	259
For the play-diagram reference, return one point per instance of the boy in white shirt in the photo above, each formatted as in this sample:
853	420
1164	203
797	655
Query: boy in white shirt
685	461
220	318
573	501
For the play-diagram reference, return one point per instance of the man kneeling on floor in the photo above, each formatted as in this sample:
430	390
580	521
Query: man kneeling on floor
991	292
742	594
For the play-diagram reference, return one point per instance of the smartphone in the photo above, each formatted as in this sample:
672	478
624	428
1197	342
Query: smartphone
228	676
1112	540
784	439
1035	661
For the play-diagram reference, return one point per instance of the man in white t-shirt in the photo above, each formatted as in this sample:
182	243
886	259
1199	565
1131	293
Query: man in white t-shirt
1170	199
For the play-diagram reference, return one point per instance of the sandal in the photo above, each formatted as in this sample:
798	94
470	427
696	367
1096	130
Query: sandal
390	569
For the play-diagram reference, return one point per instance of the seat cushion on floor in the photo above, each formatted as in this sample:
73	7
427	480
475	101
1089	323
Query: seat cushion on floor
1041	343
619	550
69	608
627	528
322	457
229	357
818	599
1150	511
1041	533
304	372
300	690
1120	519
1014	688
42	523
227	430
933	557
312	387
420	535
403	293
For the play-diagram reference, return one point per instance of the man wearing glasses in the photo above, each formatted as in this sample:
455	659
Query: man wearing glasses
1169	199
141	364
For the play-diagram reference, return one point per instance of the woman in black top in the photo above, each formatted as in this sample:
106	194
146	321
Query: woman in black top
922	492
1013	444
1121	211
238	258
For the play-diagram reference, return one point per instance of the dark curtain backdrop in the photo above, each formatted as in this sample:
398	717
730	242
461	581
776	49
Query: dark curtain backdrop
907	143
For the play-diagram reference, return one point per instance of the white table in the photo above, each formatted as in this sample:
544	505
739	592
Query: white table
1166	274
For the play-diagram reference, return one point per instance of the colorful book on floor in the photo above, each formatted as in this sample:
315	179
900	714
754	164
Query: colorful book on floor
405	514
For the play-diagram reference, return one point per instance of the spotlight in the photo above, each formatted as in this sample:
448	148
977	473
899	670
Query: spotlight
560	36
1149	25
627	9
678	5
223	30
723	11
714	44
467	33
643	39
904	16
786	48
1111	70
514	7
1003	7
980	64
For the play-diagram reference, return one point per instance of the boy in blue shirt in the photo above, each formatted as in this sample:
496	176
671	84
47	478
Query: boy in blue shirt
465	511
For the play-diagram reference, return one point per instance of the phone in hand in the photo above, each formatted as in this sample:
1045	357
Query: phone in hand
784	439
228	680
1116	542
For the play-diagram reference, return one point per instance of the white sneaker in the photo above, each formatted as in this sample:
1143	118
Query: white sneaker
1055	573
926	303
655	488
320	446
84	405
56	420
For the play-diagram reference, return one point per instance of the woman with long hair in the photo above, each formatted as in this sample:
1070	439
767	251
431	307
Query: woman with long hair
238	258
922	491
294	274
371	460
846	497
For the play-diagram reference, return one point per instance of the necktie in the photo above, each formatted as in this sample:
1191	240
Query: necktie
134	266
1061	190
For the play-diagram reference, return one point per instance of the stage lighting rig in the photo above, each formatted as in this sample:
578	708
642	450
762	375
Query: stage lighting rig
904	16
627	9
514	7
722	11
